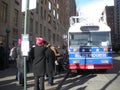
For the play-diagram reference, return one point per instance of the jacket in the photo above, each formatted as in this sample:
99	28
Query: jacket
50	62
39	68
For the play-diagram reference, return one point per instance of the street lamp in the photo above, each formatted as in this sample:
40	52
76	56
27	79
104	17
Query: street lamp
7	46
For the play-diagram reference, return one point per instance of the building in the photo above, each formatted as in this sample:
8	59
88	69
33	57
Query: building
108	18
10	19
116	43
50	20
117	18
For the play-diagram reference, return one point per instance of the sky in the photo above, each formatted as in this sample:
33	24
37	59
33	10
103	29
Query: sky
92	9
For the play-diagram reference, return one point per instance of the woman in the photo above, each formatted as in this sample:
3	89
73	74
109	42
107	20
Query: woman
50	64
39	64
20	63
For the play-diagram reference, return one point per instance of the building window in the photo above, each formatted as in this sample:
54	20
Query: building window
57	6
44	14
4	8
42	1
36	27
54	1
57	38
40	29
23	21
49	19
54	24
49	35
31	26
49	6
44	31
37	8
17	2
45	2
16	17
57	16
54	13
15	33
53	38
41	12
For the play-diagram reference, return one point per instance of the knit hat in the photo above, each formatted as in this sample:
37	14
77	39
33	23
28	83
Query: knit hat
19	41
39	40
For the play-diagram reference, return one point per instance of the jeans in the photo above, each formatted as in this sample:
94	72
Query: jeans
50	80
17	75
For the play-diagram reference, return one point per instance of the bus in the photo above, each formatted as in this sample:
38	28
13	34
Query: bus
89	45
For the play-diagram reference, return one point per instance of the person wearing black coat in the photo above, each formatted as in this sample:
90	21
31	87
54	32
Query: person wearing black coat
50	64
2	56
39	68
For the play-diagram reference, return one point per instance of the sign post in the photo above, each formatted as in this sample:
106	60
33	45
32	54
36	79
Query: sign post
25	42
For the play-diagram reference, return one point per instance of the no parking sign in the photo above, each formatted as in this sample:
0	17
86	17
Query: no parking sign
25	44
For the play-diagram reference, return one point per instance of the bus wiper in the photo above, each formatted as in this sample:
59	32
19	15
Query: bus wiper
83	44
97	45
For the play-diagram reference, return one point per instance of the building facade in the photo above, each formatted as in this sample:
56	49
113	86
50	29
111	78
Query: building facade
50	20
110	20
10	19
117	18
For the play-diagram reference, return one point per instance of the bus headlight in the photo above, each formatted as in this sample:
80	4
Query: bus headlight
75	50
105	49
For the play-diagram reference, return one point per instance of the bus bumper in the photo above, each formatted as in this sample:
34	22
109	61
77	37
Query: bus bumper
90	66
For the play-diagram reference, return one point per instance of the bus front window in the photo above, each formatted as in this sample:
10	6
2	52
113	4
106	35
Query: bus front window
89	39
100	39
78	39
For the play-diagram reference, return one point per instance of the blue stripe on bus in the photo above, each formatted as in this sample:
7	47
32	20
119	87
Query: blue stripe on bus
89	55
91	61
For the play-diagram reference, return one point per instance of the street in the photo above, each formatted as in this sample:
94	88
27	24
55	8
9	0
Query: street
96	80
88	80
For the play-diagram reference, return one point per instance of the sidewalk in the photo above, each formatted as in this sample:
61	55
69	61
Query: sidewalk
8	82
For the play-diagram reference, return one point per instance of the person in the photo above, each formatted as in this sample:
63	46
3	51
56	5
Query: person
56	62
50	65
20	63
39	64
2	56
60	58
13	55
31	54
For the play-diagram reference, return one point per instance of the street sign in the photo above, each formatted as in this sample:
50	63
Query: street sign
32	4
25	44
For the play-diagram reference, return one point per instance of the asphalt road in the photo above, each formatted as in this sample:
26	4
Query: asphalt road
95	80
87	80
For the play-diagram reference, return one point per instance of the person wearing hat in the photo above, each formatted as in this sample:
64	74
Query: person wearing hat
20	63
39	64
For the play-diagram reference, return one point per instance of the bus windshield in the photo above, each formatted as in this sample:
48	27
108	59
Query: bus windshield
96	39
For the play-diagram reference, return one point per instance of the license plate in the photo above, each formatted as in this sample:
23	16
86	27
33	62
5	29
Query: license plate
90	67
77	61
105	61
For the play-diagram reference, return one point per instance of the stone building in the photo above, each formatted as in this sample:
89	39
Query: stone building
10	20
50	20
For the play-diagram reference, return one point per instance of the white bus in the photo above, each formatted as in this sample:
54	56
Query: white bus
89	45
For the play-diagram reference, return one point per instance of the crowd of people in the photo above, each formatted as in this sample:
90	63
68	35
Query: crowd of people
46	60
